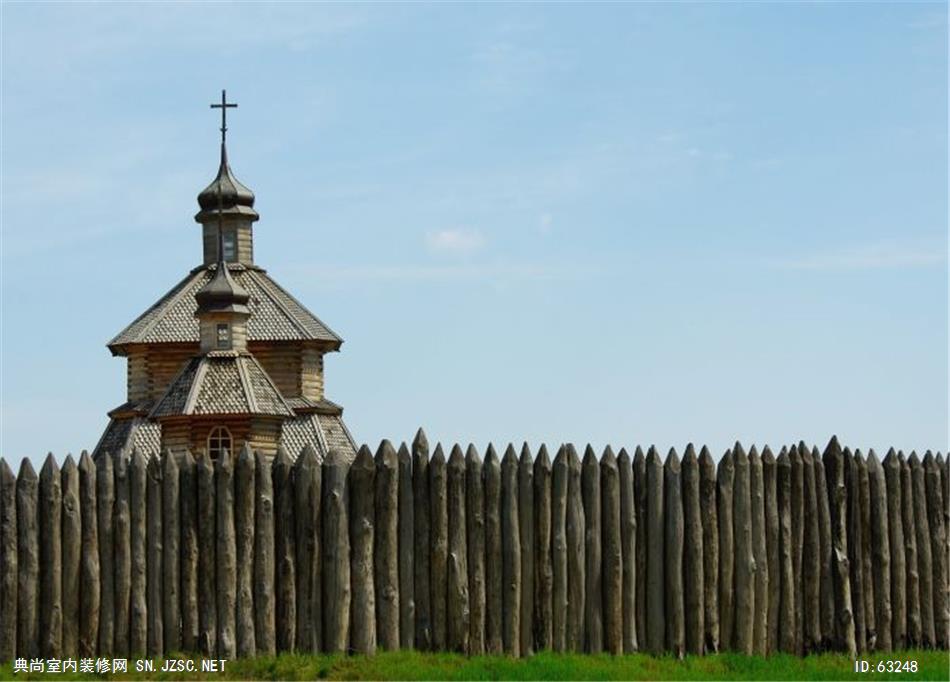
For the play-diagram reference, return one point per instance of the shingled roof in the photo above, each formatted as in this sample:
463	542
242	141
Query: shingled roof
222	383
275	314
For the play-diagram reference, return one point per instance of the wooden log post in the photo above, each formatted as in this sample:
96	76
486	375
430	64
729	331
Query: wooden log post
439	537
727	610
938	552
8	562
51	560
673	554
612	553
207	576
798	543
138	551
71	549
306	506
421	541
475	534
656	573
386	546
154	552
693	580
834	468
710	519
628	543
361	483
880	544
760	623
811	557
854	539
226	582
864	493
826	594
171	554
494	582
244	475
188	518
914	627
544	569
510	555
895	527
924	557
526	533
769	484
594	599
285	619
745	567
336	554
786	577
115	608
559	603
28	561
265	626
640	504
316	565
576	563
458	621
407	594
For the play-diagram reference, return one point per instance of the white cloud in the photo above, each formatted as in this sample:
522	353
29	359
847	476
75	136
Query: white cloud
454	241
875	256
544	223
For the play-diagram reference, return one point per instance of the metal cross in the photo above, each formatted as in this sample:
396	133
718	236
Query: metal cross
224	106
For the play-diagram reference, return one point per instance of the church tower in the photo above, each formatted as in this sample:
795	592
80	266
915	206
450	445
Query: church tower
227	356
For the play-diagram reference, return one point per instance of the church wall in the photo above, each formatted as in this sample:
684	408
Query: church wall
151	369
208	332
282	364
311	375
244	241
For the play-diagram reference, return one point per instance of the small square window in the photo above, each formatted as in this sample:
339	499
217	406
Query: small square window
224	336
229	250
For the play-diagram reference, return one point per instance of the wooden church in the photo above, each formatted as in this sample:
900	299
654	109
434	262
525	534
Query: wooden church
227	356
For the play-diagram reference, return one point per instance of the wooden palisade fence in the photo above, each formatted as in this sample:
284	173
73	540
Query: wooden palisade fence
247	555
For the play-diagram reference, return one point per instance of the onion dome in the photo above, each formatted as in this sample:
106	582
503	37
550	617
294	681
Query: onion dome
225	193
222	294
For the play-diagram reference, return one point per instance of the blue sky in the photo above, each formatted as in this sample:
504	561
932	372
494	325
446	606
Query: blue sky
593	223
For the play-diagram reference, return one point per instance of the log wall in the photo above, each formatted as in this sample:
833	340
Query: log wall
518	555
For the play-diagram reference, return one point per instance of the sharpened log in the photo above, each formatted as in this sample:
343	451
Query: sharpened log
306	501
594	600
864	493
336	554
912	599
8	562
924	557
612	553
421	541
475	534
265	626
745	567
826	595
155	549
640	503
458	612
544	570
188	494
439	537
895	527
673	554
138	605
693	579
285	552
938	553
559	503
494	564
386	546
244	475
656	573
407	598
526	532
71	550
798	544
760	623
710	519
628	542
771	549
361	483
120	537
171	553
727	609
510	555
880	545
787	640
28	561
811	557
226	582
834	467
854	539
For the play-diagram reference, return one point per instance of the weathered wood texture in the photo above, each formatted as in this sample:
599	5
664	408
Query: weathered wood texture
421	542
261	553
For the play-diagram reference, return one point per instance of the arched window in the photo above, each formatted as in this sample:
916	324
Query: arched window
219	441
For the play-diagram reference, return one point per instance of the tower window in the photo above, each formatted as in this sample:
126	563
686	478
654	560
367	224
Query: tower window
229	250
223	336
219	441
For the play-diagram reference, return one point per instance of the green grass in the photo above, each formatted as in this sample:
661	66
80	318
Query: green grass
408	665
